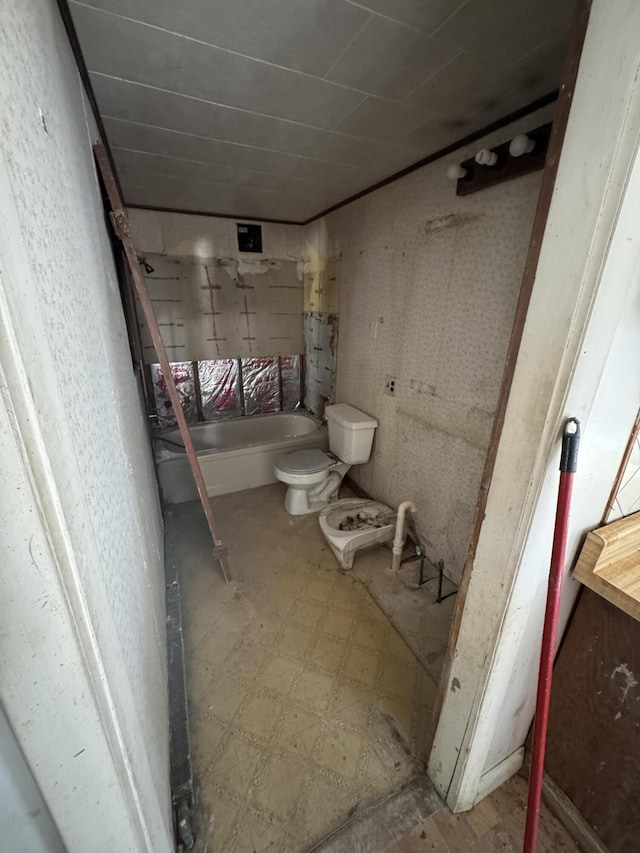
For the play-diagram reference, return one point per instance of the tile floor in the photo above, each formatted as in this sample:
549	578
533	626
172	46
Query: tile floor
306	703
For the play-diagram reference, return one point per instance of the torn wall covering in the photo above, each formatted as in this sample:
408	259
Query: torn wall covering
215	302
224	307
321	303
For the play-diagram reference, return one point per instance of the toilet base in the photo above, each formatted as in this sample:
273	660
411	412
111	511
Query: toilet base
354	514
306	498
301	502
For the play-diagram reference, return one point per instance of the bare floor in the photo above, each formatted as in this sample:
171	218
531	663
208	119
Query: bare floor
306	703
495	824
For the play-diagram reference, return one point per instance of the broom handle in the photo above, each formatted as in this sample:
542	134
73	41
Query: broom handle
568	465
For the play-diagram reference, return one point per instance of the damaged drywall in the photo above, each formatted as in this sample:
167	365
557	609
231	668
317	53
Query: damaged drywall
322	267
321	344
223	307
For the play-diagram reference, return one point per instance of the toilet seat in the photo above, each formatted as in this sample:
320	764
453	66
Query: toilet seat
305	462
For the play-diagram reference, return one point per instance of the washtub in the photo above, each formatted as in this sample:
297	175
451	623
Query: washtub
234	454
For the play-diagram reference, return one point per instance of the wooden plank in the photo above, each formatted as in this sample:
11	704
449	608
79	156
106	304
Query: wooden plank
609	563
592	752
120	222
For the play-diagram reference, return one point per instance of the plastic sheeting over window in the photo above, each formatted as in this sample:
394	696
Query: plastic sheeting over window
212	389
219	388
183	376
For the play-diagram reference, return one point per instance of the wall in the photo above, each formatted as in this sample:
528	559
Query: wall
428	287
580	338
213	301
83	656
25	823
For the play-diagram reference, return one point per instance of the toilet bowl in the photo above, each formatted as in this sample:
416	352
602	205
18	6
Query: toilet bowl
314	477
352	524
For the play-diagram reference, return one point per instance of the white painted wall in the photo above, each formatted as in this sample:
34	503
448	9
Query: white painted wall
25	823
428	287
579	357
191	235
82	658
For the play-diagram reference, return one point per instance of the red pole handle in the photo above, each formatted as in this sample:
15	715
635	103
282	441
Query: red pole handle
568	466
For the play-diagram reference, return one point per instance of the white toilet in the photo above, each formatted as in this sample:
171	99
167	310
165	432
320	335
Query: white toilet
352	524
314	477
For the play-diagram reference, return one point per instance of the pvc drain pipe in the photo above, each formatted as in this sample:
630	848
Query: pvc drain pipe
398	542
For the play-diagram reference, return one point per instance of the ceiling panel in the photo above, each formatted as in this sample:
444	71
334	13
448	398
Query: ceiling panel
124	48
426	17
382	120
306	36
389	59
288	107
504	31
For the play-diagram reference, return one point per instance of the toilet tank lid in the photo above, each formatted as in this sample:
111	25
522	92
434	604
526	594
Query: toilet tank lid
350	417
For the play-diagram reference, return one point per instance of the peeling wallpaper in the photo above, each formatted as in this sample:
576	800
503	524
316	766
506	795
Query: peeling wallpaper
213	301
428	288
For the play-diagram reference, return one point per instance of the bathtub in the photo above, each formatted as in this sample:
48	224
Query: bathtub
235	454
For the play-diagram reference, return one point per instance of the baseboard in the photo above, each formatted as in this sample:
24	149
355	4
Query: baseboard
492	779
380	825
561	806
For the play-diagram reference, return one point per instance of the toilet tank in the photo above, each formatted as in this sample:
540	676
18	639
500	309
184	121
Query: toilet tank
350	433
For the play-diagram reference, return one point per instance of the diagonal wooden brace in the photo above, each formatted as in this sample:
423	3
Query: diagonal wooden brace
121	227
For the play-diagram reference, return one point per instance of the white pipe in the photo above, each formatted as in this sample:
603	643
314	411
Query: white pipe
398	542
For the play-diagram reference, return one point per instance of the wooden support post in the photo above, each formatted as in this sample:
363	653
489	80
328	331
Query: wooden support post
121	226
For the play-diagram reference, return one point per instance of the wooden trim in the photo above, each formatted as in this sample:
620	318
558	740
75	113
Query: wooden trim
560	119
67	20
564	810
561	806
235	217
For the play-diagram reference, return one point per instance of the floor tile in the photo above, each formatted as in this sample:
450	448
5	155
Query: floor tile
259	716
303	708
362	666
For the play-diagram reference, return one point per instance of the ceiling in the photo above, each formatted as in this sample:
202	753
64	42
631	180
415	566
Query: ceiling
282	108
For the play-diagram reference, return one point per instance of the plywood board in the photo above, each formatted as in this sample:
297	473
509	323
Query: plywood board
592	743
609	563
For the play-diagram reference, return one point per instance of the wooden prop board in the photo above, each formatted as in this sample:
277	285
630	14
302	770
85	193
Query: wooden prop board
121	226
609	563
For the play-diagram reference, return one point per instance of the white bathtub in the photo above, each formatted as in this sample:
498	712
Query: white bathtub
235	454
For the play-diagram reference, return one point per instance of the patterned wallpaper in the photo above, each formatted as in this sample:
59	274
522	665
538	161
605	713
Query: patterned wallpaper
428	288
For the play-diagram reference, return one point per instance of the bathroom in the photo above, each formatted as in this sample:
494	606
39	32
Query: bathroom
395	310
